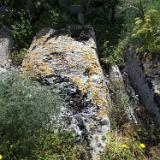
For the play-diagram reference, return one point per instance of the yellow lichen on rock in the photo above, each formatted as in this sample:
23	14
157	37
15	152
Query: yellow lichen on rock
88	57
79	83
37	68
80	59
93	69
66	58
70	48
96	91
27	66
102	113
39	41
43	69
98	99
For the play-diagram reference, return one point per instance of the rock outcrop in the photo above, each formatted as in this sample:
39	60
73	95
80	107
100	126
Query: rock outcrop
122	97
68	58
145	78
5	47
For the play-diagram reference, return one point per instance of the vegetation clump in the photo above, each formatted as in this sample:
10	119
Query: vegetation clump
146	32
26	113
122	147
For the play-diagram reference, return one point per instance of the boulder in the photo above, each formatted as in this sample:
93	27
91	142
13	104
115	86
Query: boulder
5	48
68	59
116	78
122	94
145	78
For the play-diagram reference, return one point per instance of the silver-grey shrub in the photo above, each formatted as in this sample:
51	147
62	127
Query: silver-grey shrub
25	108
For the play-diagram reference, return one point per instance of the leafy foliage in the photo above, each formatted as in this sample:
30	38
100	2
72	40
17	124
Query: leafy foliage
123	147
25	108
147	32
23	18
119	110
17	57
21	30
115	55
26	127
61	145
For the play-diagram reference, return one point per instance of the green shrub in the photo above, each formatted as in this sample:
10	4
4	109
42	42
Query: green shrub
117	53
120	147
59	146
21	30
146	33
50	18
25	108
26	126
18	56
119	110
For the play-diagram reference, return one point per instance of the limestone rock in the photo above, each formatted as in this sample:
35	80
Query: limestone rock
5	47
116	78
120	91
144	77
69	57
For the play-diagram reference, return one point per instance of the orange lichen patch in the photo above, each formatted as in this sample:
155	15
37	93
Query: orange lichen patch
39	41
59	44
79	83
72	65
35	55
84	87
36	67
88	57
48	46
87	50
93	69
44	69
102	113
49	50
97	98
71	47
26	66
94	66
89	85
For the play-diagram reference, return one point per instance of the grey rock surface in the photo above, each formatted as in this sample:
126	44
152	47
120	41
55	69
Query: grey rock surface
120	91
68	57
5	48
144	77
